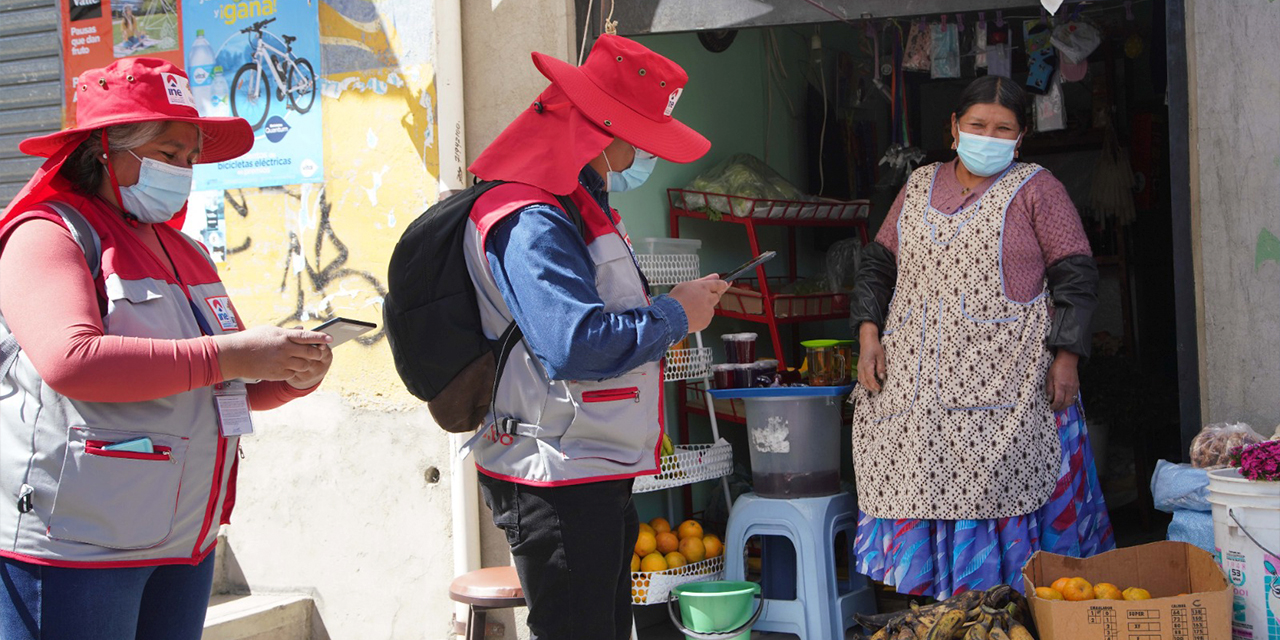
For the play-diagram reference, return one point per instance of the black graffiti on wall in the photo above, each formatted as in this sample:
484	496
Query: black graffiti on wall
321	279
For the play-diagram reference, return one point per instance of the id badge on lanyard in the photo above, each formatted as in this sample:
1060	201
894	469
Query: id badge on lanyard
231	399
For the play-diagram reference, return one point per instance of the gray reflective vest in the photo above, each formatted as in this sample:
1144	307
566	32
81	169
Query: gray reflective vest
569	431
67	501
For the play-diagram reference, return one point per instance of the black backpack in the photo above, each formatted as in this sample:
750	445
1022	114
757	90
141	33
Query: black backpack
432	318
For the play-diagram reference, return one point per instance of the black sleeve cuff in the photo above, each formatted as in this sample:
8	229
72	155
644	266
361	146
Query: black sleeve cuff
1073	284
873	286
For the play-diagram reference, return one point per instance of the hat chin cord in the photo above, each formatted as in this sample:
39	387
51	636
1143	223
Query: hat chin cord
115	184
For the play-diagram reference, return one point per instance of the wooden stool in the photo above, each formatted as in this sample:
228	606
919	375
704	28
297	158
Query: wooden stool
484	590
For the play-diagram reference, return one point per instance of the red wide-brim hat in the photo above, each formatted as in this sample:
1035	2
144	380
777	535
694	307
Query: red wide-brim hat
134	90
630	92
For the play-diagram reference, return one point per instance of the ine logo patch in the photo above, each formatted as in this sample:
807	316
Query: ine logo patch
177	90
221	307
671	101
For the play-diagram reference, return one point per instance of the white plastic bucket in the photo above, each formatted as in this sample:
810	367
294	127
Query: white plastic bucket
1246	533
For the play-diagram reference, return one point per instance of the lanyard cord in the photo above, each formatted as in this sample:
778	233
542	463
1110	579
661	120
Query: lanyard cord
204	324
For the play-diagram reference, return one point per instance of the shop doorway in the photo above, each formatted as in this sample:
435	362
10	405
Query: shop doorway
823	103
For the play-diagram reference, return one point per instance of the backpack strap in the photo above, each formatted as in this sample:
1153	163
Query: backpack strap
507	342
82	232
85	236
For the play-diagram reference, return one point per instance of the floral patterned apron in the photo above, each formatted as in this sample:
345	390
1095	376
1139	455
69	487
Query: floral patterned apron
962	428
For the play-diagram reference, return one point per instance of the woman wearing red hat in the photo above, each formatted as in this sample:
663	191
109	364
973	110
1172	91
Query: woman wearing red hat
127	375
579	404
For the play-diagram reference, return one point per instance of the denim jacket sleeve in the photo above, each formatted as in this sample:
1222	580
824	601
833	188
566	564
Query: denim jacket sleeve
545	274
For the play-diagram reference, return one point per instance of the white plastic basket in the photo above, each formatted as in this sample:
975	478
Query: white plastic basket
669	269
690	463
654	587
687	364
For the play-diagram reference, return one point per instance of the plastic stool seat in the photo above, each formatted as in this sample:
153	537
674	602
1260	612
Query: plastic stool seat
820	610
484	590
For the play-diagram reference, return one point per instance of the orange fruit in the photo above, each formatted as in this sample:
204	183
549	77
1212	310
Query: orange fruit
644	528
1107	591
1135	593
667	542
1060	585
645	544
1078	589
690	529
693	550
675	559
659	525
1048	593
714	547
653	562
635	562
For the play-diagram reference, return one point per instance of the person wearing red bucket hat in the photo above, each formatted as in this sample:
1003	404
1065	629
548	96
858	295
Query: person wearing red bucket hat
128	376
577	415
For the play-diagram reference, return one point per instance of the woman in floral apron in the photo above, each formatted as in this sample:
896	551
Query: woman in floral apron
973	307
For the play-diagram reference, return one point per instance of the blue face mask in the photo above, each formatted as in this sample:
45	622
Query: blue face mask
635	175
985	156
160	193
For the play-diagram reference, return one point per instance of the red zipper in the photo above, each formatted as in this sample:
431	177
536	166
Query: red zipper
611	395
95	447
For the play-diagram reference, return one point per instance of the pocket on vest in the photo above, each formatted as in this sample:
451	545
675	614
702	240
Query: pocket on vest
139	308
983	356
617	277
607	421
117	499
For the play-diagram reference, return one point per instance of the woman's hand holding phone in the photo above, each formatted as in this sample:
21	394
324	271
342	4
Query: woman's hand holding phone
699	299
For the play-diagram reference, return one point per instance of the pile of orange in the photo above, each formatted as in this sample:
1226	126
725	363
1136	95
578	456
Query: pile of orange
1077	589
659	547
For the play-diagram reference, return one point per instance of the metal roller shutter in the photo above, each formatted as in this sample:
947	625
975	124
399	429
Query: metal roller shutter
30	85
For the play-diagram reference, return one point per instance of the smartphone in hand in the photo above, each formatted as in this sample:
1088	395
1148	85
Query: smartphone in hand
752	264
344	329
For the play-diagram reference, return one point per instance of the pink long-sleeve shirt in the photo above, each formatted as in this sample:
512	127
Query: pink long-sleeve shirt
1042	226
48	298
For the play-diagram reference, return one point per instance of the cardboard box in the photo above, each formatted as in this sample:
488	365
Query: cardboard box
1166	569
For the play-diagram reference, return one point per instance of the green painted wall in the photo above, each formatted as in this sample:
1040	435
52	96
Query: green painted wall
726	100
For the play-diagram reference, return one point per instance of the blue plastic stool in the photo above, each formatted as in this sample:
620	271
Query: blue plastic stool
821	608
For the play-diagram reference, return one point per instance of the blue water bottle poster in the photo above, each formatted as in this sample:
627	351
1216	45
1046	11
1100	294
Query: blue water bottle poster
258	60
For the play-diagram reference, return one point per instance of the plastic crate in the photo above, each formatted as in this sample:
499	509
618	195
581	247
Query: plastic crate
669	269
690	463
687	364
654	587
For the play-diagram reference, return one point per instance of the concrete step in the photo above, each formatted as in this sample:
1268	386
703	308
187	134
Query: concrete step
258	617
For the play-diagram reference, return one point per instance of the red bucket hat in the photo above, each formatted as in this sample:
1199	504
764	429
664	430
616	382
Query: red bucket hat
132	90
630	92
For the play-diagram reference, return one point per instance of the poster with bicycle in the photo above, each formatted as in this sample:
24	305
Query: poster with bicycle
96	32
260	61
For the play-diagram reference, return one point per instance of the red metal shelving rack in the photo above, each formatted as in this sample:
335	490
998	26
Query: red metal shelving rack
751	213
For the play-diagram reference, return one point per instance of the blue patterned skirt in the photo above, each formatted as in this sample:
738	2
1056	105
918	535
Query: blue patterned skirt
937	558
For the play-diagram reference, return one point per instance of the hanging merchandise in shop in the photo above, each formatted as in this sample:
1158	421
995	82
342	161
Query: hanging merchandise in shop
261	63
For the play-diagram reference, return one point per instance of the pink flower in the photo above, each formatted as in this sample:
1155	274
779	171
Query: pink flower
1261	461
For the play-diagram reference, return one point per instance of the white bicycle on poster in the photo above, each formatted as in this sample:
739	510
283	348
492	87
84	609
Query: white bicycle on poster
293	77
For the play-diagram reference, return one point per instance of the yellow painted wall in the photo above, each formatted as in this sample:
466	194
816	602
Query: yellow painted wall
304	253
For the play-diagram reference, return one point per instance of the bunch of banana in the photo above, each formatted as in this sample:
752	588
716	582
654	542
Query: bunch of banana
668	449
1001	613
670	468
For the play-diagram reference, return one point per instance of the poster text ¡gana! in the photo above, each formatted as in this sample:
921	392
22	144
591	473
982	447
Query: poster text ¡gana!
240	10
